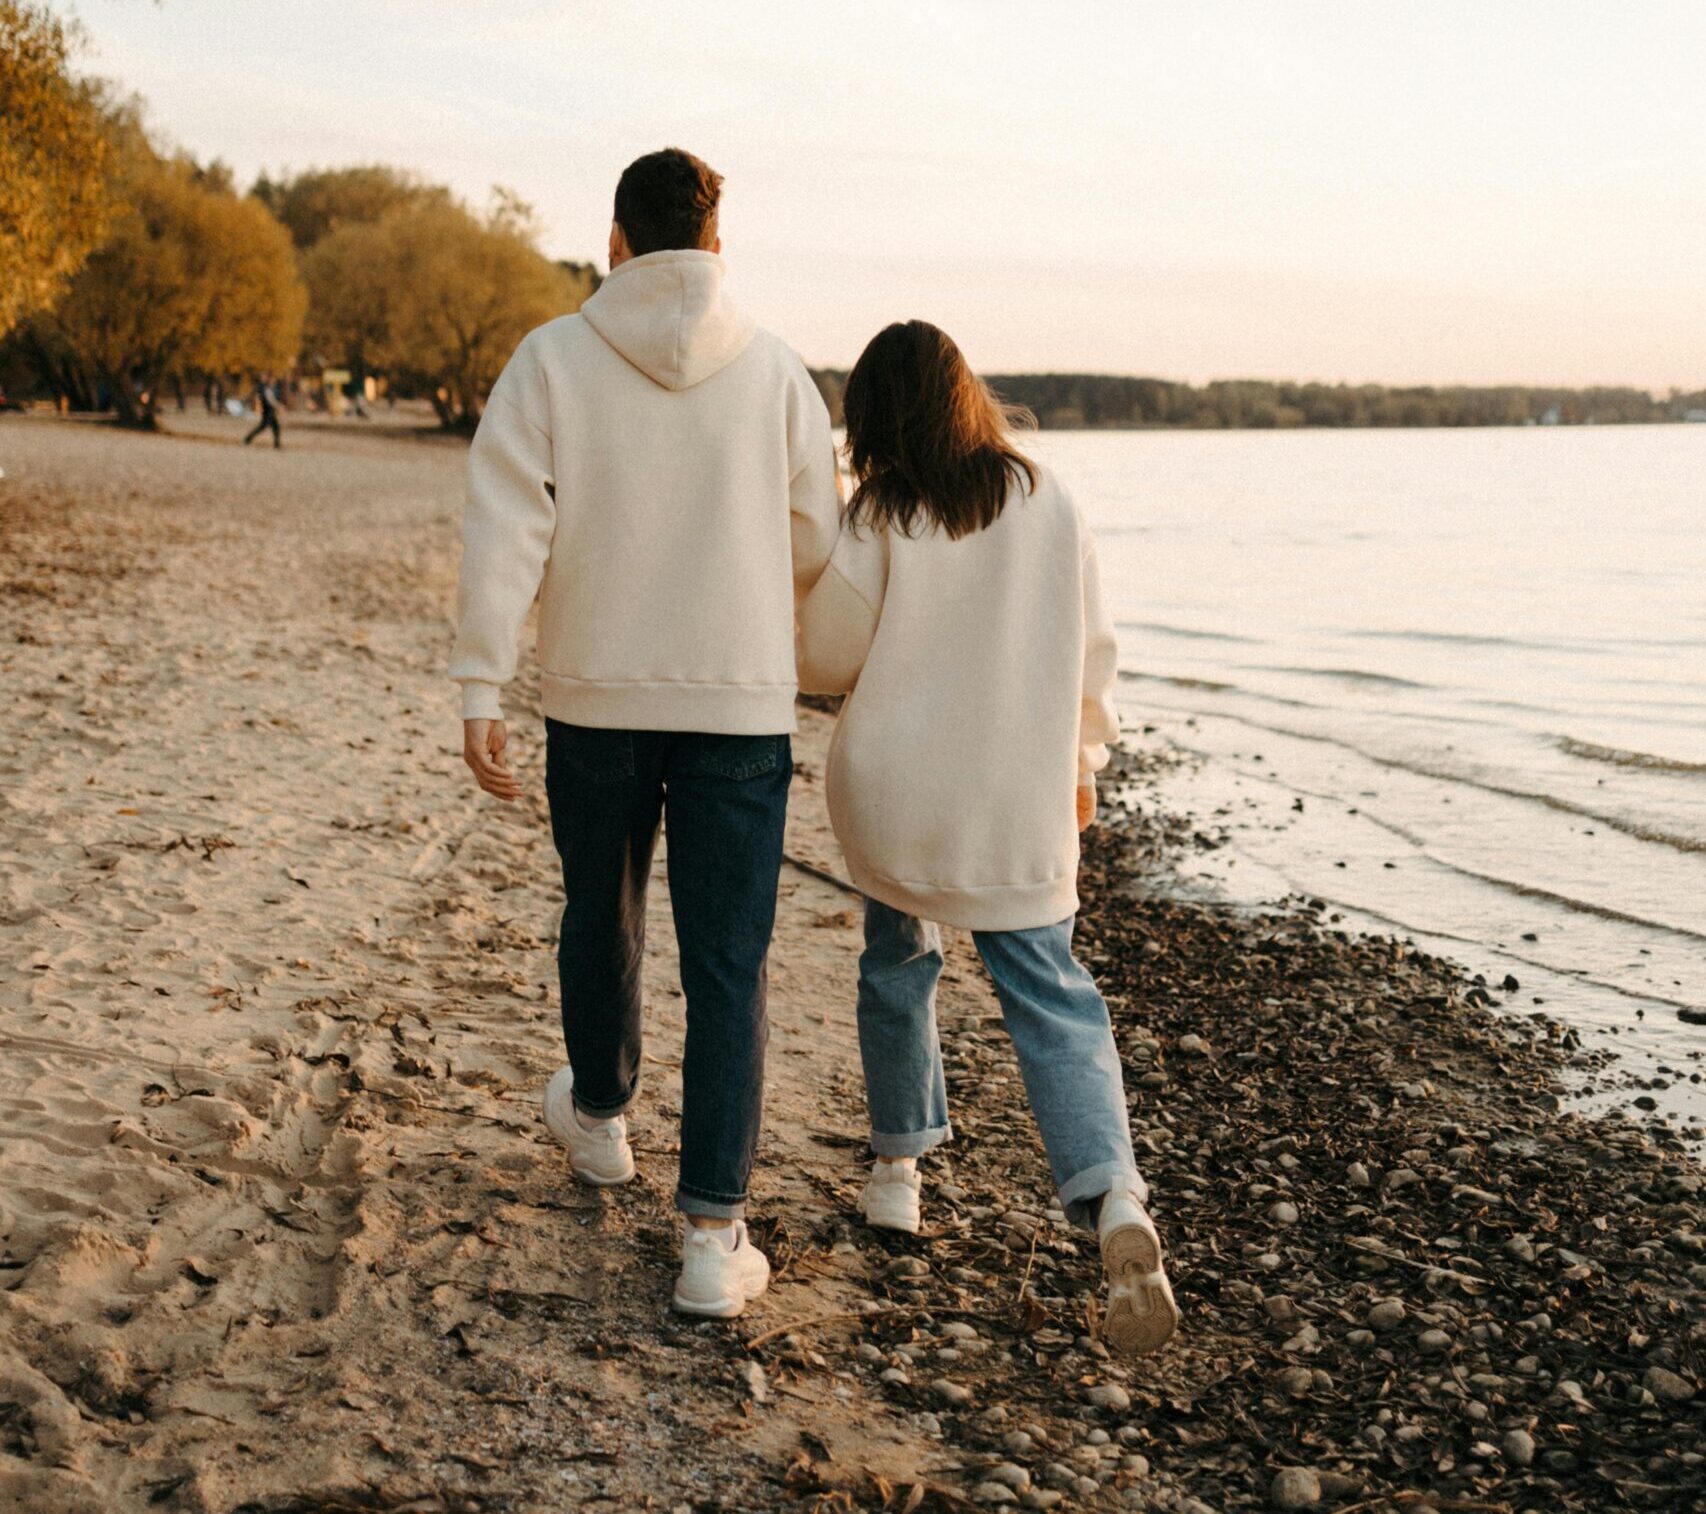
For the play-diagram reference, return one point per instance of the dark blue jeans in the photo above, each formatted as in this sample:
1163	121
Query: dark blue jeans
725	799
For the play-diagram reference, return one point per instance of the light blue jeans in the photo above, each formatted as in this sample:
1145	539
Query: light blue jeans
1060	1030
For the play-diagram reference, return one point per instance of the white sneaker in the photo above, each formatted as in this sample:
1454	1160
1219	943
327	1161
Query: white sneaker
719	1276
1141	1314
600	1156
890	1199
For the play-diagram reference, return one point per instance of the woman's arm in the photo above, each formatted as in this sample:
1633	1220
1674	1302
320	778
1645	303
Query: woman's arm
1098	719
837	621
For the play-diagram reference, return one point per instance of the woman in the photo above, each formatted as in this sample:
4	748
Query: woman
962	615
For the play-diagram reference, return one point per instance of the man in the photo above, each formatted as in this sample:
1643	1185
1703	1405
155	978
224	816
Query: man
267	403
661	473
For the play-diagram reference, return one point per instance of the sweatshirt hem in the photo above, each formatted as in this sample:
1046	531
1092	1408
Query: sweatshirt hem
720	709
998	907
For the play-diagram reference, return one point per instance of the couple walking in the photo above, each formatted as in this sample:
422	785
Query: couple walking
660	474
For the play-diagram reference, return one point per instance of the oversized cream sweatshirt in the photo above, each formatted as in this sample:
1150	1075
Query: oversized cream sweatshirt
980	677
660	474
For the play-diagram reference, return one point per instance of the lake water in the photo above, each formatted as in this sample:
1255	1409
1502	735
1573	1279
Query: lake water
1451	682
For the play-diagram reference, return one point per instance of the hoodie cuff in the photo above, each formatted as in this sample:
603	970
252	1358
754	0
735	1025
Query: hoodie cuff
480	700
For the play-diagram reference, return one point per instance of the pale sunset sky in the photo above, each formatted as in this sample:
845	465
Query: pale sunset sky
1419	191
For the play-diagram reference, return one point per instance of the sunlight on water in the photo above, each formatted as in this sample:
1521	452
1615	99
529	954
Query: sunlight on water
1452	680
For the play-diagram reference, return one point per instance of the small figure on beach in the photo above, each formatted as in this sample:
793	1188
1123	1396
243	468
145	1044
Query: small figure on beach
266	403
962	616
660	473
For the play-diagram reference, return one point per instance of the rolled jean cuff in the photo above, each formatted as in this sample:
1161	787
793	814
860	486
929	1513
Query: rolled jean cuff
709	1206
1080	1191
910	1143
604	1111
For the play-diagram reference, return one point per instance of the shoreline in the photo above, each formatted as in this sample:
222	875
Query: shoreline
282	1230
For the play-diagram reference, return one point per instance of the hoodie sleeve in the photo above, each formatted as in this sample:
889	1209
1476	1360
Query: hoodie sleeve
814	486
507	525
837	620
1098	720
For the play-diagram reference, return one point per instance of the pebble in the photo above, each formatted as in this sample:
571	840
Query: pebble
1661	1382
1520	1247
1388	1314
1518	1448
1295	1382
1018	1442
754	1381
1357	1175
1280	1309
959	1331
1010	1475
1041	1498
869	1353
1434	1340
909	1266
1361	1340
1109	1396
1086	1487
1295	1488
1193	1046
894	1375
1283	1213
993	1492
955	1395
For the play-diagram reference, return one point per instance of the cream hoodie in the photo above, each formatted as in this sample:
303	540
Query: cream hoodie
981	674
660	474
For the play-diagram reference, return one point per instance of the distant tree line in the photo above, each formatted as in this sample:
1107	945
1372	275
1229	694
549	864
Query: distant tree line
127	271
1103	402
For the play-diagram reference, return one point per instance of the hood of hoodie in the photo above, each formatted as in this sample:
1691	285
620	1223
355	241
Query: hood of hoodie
667	315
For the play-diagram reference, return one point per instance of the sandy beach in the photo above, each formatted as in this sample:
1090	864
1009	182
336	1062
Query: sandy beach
280	1228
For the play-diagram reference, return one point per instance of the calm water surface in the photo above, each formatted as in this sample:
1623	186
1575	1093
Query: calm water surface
1453	682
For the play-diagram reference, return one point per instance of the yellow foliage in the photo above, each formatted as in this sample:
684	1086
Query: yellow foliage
54	155
436	296
191	277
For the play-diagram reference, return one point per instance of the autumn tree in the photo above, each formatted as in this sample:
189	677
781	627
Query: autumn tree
54	155
313	205
437	296
192	277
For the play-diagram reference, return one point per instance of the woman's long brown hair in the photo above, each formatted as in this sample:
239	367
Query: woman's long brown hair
927	442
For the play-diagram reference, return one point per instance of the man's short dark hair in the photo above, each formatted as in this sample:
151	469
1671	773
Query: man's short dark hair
668	199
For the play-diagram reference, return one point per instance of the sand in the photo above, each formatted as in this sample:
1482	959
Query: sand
279	1224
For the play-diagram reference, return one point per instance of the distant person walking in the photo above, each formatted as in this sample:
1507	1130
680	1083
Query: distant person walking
266	401
659	472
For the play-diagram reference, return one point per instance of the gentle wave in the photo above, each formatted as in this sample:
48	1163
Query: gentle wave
1346	675
1452	638
1617	757
1184	633
1208	685
1567	901
1618	823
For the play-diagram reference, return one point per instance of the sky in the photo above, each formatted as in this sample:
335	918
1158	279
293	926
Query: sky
1409	191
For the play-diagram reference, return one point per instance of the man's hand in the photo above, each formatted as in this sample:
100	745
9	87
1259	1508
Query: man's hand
1086	806
483	743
